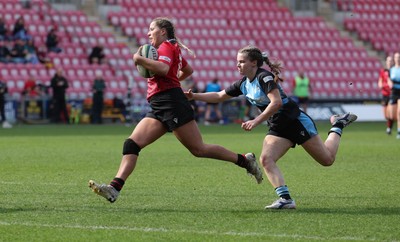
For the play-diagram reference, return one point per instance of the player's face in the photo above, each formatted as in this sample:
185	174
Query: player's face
389	62
155	35
244	65
396	58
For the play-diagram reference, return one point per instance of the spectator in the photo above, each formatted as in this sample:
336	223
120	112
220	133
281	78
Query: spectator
59	84
31	56
20	32
213	86
31	90
52	41
5	54
98	88
97	55
301	90
3	30
19	52
120	105
3	91
43	57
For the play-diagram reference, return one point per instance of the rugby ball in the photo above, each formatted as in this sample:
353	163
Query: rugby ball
150	52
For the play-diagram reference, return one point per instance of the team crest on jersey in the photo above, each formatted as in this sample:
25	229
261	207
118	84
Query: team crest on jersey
175	120
267	79
165	58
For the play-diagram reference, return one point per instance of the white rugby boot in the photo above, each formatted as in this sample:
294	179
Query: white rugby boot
252	167
282	203
345	119
106	191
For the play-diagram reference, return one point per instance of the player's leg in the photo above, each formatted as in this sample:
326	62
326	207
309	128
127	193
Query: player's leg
397	116
189	135
273	149
146	132
325	153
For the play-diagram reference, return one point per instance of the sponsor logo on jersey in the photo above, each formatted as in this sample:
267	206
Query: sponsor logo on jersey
165	58
267	79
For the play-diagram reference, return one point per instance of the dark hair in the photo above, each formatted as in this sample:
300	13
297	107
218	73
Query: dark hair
255	54
165	23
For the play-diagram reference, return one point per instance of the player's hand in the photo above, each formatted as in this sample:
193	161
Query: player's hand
189	94
249	125
136	55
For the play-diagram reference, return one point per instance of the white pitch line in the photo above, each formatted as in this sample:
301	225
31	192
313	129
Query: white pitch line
204	232
37	183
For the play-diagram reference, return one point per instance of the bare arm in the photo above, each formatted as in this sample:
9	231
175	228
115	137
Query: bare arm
272	108
154	66
185	72
209	97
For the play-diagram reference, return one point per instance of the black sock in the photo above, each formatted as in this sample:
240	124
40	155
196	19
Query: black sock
286	196
338	125
390	123
117	183
242	162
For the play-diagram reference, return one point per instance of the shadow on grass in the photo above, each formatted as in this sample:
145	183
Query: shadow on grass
15	210
108	208
351	210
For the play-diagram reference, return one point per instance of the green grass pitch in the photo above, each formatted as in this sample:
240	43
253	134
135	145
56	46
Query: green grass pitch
173	196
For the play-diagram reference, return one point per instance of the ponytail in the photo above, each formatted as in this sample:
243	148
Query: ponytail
253	53
275	67
165	23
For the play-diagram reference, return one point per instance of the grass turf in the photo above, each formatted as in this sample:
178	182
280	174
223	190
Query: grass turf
173	196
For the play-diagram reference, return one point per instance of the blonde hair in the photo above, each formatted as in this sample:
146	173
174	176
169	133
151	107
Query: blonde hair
255	54
166	23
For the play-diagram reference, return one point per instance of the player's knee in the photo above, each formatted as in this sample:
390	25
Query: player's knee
130	148
327	161
197	152
267	163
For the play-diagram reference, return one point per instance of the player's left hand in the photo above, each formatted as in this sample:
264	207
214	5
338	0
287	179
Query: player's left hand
249	125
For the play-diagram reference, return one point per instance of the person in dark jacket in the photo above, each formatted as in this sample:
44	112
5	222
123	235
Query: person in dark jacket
52	42
59	84
99	85
97	55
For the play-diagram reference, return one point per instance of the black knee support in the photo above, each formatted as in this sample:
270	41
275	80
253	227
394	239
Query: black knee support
130	147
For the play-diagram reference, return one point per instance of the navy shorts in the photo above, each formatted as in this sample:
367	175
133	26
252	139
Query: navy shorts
394	96
171	108
297	130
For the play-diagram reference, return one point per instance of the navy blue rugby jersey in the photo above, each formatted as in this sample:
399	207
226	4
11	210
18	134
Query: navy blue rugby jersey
256	91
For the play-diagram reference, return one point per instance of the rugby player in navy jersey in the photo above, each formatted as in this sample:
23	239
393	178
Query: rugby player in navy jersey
288	125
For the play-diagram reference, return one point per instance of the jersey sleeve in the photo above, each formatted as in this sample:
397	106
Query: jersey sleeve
234	89
267	82
166	53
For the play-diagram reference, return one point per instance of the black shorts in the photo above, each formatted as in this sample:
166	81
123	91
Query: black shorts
385	100
171	108
394	96
297	130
